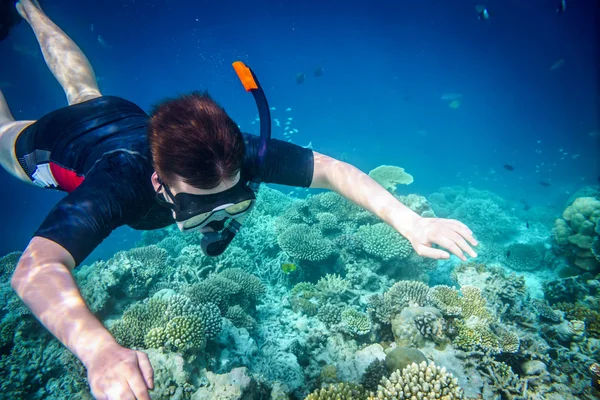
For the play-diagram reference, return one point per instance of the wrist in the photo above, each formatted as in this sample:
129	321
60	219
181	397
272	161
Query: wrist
96	347
404	220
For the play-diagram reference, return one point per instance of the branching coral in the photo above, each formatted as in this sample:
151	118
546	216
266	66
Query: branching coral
384	242
340	391
356	322
303	242
419	382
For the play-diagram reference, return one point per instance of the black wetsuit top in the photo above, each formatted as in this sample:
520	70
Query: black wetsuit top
103	143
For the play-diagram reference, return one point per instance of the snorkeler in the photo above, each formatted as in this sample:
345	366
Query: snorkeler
187	163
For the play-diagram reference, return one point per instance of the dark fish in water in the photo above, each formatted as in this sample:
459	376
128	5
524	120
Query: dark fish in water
526	206
8	17
482	12
562	6
509	167
318	71
527	224
508	254
300	77
544	184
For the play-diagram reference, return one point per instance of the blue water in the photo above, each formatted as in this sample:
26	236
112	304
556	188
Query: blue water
385	68
527	83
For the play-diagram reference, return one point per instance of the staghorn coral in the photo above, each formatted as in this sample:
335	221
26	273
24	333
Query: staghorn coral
384	242
328	222
305	243
420	381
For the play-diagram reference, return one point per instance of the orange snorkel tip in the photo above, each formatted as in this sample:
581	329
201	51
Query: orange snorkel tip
245	75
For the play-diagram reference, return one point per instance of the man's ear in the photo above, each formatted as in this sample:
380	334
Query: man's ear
155	181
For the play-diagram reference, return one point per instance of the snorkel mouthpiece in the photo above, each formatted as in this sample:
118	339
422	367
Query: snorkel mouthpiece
215	243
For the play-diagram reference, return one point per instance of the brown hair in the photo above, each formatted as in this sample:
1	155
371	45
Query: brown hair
193	137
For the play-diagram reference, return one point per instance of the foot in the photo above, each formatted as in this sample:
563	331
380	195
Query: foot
22	5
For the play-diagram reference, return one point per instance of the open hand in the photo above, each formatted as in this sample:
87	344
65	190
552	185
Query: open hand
450	234
118	373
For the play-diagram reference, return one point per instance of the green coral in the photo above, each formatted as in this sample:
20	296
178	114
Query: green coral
8	263
446	299
356	322
303	242
330	314
185	333
406	293
251	287
383	242
167	322
240	318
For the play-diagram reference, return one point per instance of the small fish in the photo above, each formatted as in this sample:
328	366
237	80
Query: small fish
526	206
527	224
508	254
482	12
288	109
544	184
562	6
92	27
557	64
103	42
318	71
300	78
308	146
288	268
272	109
509	167
451	96
454	104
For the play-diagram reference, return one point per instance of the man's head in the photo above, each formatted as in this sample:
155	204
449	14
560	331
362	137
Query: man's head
196	147
197	152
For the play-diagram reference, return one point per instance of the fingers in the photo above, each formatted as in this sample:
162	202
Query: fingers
138	386
146	368
430	252
447	243
460	242
462	230
117	391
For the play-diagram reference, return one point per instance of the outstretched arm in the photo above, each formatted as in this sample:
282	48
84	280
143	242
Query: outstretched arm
43	280
358	187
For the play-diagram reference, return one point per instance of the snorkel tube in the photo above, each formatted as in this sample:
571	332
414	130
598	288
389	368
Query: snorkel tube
215	243
251	84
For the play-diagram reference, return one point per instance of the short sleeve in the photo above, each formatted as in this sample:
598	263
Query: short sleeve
285	163
111	195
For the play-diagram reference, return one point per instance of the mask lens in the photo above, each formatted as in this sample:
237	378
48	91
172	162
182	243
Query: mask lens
239	207
196	220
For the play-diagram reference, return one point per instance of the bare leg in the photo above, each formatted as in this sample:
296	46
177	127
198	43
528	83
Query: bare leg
64	58
9	131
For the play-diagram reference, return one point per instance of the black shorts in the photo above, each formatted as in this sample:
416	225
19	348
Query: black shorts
57	150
